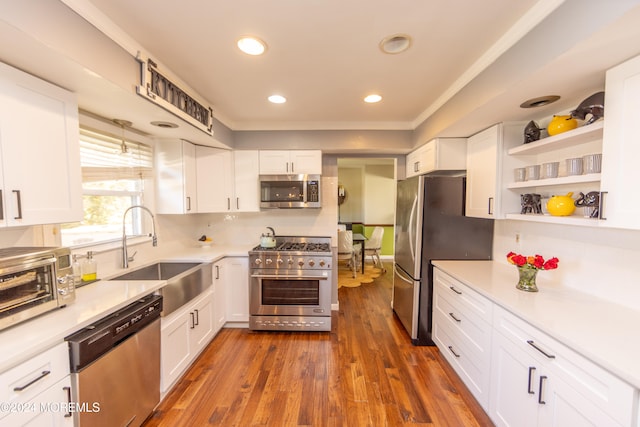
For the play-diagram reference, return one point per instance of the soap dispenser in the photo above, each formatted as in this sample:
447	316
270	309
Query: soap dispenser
89	268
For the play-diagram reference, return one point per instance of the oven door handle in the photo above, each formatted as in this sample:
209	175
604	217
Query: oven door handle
279	276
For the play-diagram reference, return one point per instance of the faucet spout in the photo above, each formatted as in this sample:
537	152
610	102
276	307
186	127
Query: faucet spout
154	238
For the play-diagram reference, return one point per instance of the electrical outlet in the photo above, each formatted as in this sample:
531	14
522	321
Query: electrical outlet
517	237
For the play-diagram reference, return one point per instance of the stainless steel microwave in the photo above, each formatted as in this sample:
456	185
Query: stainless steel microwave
290	191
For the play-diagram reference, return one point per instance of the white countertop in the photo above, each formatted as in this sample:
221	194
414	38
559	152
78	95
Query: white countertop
604	332
94	301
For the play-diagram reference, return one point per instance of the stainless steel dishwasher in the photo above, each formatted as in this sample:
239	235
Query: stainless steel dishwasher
115	365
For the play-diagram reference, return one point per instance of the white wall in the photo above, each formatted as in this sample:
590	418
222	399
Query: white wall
379	194
599	261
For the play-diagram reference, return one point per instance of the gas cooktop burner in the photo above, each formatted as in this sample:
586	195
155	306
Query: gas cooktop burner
298	244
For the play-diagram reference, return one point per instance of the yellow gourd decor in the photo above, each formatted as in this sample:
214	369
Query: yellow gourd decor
561	124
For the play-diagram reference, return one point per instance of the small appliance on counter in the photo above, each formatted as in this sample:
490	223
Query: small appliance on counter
34	280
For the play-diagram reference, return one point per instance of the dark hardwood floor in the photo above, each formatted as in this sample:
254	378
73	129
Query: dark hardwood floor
365	372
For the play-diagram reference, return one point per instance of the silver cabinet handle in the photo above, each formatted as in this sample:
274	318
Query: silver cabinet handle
454	317
188	203
455	290
193	321
32	382
197	317
532	344
540	401
453	352
68	391
217	272
490	206
238	203
531	369
19	200
601	205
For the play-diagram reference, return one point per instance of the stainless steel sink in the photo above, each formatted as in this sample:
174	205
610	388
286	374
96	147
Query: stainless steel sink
185	281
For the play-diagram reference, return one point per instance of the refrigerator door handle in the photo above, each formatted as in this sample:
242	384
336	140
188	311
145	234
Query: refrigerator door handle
412	227
404	276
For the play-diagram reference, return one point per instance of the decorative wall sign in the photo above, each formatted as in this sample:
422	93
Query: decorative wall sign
160	90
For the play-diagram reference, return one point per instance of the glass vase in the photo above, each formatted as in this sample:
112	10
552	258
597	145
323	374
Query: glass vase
527	279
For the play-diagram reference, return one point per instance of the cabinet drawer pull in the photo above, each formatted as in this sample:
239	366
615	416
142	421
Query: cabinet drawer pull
68	391
531	369
489	211
455	290
453	352
454	317
540	401
193	321
532	344
30	383
197	317
217	272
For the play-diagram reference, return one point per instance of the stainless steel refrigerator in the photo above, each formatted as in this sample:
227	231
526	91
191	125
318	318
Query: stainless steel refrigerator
430	225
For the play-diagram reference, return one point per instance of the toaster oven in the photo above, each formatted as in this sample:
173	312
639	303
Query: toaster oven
33	280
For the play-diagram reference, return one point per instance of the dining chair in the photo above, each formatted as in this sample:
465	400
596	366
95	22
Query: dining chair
373	246
346	250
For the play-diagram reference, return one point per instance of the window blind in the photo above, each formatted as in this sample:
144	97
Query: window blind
103	157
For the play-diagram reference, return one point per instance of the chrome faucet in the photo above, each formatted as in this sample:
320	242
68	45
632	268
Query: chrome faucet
154	238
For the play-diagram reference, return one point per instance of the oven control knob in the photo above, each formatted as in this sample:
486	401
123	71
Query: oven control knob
290	261
301	262
62	292
279	261
312	262
258	261
321	263
268	261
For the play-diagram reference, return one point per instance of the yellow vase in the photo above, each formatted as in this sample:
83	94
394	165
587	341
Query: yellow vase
561	205
561	124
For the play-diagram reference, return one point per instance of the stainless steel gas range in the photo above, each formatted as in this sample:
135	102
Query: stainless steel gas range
290	285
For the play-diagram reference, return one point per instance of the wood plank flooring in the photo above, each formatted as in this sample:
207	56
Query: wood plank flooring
365	372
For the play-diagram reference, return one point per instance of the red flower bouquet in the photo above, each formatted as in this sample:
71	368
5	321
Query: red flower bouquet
528	267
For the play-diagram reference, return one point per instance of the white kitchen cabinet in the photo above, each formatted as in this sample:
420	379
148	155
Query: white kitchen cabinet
246	168
184	333
277	162
486	172
620	149
29	387
214	177
236	284
462	331
219	296
40	152
175	167
536	381
51	408
437	154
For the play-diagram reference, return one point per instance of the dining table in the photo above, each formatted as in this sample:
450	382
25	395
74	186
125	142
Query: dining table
360	238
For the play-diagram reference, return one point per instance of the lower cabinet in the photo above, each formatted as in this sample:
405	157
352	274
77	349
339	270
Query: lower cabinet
520	375
38	391
184	334
236	279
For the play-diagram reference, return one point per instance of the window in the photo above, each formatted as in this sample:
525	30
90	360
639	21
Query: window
114	174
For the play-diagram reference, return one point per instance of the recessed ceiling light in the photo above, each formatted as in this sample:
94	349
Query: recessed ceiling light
277	99
373	98
540	101
396	43
252	46
166	125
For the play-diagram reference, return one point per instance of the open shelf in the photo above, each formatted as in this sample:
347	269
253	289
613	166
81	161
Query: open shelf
550	219
570	138
572	179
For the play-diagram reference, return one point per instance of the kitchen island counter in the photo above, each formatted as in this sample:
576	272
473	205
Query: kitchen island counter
602	331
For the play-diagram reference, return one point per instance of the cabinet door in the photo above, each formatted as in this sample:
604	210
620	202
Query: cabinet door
482	166
412	164
214	179
219	296
47	409
202	322
246	165
175	169
620	148
175	348
39	138
236	278
273	162
306	162
514	385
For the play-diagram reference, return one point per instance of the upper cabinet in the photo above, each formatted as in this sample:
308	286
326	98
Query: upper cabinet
277	162
214	178
246	165
485	152
437	154
621	148
40	177
175	166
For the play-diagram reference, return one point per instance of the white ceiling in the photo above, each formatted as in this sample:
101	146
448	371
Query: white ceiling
322	55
